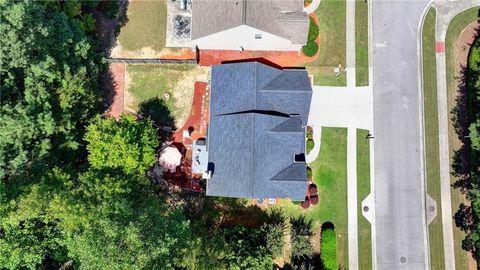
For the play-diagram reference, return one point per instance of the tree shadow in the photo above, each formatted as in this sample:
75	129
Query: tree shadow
156	109
465	160
109	17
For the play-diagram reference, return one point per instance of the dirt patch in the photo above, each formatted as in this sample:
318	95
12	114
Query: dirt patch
462	45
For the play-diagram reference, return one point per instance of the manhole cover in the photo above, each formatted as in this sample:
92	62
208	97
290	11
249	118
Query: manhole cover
365	208
403	260
431	208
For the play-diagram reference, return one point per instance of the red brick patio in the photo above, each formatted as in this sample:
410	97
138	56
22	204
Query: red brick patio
197	120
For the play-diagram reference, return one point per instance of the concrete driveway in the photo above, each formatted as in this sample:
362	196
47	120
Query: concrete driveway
341	107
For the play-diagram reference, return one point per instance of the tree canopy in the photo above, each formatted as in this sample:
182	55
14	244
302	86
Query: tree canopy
127	144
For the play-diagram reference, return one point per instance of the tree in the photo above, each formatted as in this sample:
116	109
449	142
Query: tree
475	134
126	144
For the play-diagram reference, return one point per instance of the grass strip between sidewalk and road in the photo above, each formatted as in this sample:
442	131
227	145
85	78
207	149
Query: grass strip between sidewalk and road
361	42
435	231
363	189
455	28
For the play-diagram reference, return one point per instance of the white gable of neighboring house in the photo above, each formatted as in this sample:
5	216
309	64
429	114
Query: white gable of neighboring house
247	38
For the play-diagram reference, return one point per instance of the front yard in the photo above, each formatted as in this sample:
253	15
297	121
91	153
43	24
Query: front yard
331	16
148	84
330	176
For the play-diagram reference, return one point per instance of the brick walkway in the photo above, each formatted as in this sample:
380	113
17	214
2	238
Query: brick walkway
117	72
197	119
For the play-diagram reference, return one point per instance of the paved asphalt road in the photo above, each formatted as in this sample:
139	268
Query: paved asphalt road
400	228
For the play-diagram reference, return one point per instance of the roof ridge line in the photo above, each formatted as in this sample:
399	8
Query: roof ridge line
253	134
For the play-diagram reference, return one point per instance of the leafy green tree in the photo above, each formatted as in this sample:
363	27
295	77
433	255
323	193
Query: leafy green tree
126	144
475	134
29	232
246	249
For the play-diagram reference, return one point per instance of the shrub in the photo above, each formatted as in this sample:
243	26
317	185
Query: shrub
301	233
309	132
310	49
310	145
309	172
328	249
312	30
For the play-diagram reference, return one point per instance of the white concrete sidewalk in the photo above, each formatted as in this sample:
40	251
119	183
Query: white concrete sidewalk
312	7
352	198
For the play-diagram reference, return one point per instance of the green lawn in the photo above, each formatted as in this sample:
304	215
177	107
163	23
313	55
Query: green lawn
361	43
454	29
151	81
431	138
331	16
363	189
330	176
146	25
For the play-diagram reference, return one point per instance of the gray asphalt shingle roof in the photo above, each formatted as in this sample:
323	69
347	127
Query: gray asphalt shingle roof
256	129
284	18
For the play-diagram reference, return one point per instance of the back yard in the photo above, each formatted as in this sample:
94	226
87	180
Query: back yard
171	85
144	33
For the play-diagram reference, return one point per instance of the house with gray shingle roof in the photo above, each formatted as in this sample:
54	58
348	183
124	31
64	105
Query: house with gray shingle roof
273	25
256	132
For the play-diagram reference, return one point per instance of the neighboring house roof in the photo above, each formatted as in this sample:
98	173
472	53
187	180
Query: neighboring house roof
283	18
257	119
